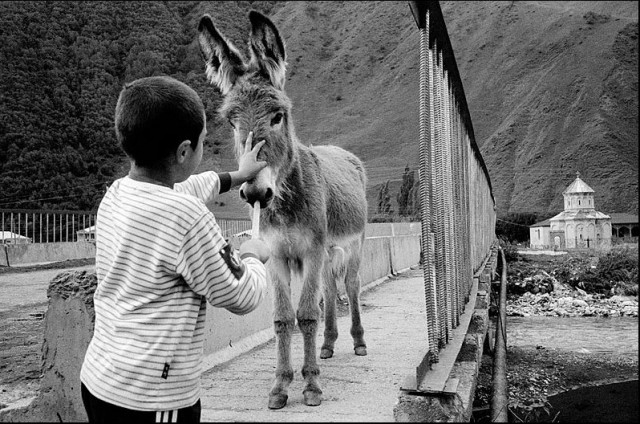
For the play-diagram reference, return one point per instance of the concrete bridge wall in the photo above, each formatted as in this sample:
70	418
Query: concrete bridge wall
28	253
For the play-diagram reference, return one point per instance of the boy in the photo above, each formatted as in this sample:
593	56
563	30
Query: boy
160	257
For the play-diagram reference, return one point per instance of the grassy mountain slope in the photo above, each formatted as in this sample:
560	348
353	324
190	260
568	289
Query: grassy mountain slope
551	87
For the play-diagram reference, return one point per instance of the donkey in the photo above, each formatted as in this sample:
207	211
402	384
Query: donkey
312	200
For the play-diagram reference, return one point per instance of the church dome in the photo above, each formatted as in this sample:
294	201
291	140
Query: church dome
578	186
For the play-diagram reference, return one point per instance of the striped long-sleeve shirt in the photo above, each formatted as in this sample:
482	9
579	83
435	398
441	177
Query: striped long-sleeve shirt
158	262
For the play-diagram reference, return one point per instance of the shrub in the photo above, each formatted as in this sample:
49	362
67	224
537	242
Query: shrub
619	264
510	250
616	272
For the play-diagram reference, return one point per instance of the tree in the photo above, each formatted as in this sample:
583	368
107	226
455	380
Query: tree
384	203
404	199
414	204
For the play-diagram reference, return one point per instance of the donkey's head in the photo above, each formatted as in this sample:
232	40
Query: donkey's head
253	99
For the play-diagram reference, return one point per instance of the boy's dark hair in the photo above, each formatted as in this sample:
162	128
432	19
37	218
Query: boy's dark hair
154	115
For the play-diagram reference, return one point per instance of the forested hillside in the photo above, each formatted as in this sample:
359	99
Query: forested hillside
551	87
62	65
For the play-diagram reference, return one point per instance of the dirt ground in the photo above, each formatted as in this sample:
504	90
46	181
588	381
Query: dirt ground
534	375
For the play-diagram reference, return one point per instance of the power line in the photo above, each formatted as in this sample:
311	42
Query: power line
512	223
39	200
16	199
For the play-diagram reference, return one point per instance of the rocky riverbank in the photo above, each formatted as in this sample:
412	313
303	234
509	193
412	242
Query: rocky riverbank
564	301
573	285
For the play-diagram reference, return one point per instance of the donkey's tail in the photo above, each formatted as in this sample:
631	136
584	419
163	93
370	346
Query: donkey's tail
337	257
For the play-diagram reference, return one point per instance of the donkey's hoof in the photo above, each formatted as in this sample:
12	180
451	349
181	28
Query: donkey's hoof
326	353
312	398
277	401
361	350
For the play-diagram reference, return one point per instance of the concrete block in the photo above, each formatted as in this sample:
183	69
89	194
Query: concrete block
482	300
405	251
417	408
4	255
376	259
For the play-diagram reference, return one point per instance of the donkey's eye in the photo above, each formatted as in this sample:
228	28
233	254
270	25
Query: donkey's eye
231	123
276	119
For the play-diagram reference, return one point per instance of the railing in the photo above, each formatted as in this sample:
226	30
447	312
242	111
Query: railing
457	203
18	226
230	227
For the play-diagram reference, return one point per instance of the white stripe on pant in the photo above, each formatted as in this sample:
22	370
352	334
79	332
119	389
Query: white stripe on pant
166	416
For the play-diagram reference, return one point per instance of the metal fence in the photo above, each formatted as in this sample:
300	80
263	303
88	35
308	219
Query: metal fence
231	227
457	203
19	226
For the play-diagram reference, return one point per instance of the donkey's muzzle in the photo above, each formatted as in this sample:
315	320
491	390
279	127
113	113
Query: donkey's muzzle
251	195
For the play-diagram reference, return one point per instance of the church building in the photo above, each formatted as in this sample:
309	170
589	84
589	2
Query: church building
579	226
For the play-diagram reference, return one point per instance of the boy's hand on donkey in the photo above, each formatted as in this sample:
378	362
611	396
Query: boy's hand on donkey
256	248
248	164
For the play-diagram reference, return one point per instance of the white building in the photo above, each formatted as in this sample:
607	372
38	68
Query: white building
86	234
578	226
8	237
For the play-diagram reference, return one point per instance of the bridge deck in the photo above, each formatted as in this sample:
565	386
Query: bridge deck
355	388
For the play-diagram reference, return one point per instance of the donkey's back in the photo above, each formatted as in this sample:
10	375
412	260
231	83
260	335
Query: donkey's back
345	185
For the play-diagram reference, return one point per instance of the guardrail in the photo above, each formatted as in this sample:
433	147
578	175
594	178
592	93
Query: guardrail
23	226
457	203
20	226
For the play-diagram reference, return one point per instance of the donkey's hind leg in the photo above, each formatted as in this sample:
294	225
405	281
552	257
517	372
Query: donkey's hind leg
333	271
352	286
283	323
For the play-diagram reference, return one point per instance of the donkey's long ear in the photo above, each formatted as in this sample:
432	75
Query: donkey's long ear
267	49
224	63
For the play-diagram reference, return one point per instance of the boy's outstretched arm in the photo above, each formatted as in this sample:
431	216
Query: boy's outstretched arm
207	185
211	268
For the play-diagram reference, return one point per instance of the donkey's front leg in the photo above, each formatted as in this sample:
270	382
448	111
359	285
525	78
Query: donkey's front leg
308	316
283	323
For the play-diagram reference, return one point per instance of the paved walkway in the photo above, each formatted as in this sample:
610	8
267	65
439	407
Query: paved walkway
355	388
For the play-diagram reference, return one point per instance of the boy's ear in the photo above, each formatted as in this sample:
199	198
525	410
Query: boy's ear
182	151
